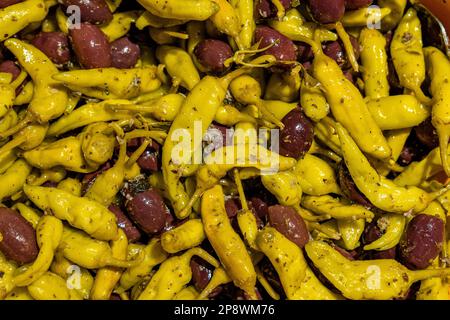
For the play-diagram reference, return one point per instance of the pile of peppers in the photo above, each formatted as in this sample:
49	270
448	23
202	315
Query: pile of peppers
94	206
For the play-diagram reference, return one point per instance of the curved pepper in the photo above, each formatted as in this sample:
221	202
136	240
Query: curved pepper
312	289
19	293
181	10
188	235
286	257
348	106
148	19
397	9
153	254
285	186
407	54
110	83
361	17
374	63
50	286
392	225
18	16
226	242
294	26
313	101
372	279
97	143
106	278
438	71
325	131
48	233
28	213
7	268
188	293
82	213
316	176
244	10
218	278
87	252
350	231
13	179
173	275
381	192
120	25
336	208
49	97
226	19
281	87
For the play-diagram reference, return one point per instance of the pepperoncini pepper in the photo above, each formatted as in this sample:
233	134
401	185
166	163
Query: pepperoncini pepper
13	179
371	279
82	213
438	71
173	275
188	235
407	54
110	83
48	232
49	97
381	192
286	257
393	226
181	10
226	242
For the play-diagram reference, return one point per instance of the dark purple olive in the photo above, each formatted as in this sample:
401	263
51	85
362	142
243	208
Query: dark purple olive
265	9
423	241
148	211
327	11
427	134
201	274
357	4
212	54
288	222
350	189
133	233
149	161
297	135
9	66
336	51
124	53
17	237
304	52
408	154
91	46
7	3
283	48
92	11
232	207
260	207
55	45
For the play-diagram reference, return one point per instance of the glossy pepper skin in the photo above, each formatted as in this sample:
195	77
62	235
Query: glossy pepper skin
407	54
372	279
16	17
438	68
181	10
49	98
226	242
82	213
381	192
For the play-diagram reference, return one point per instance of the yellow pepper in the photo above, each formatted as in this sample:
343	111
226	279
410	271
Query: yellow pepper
285	186
313	101
87	252
153	254
179	65
350	231
50	286
396	140
149	19
226	242
371	279
19	293
244	10
335	207
397	112
28	213
50	175
13	179
81	282
226	19
348	106
228	115
433	288
173	275
407	54
49	97
181	10
97	143
218	278
325	132
16	17
395	16
7	268
381	192
107	277
281	88
188	235
374	63
65	152
120	25
393	226
110	83
316	176
438	68
82	213
26	94
8	92
188	293
48	233
361	17
286	257
312	289
294	26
